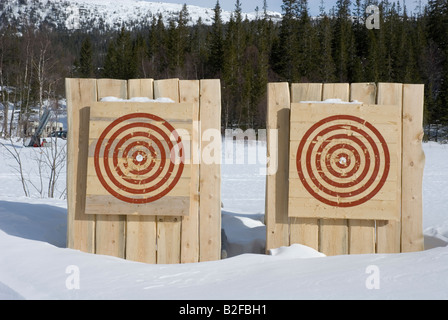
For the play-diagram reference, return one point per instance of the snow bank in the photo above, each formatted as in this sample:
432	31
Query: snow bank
435	192
296	251
37	270
35	265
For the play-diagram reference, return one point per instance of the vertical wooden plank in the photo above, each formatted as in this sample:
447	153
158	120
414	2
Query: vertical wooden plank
333	234
306	92
361	236
336	91
390	93
141	88
210	173
412	169
333	237
167	88
80	227
168	228
112	88
362	232
388	232
168	240
276	212
305	231
141	231
110	229
363	92
141	238
189	92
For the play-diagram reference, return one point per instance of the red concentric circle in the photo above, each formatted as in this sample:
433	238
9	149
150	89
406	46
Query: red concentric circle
343	161
139	158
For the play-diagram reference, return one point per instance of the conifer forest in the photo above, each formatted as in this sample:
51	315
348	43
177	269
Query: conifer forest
334	46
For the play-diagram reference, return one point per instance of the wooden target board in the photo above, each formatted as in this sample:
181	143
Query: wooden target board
345	161
139	158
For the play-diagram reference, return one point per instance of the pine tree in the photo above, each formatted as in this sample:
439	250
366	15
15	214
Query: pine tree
196	66
246	116
216	43
360	34
343	41
325	58
394	67
261	73
229	76
141	54
308	45
158	48
177	42
120	62
437	22
284	55
173	57
233	75
372	67
85	60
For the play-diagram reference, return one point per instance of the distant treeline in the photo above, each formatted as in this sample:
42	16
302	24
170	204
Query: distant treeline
335	46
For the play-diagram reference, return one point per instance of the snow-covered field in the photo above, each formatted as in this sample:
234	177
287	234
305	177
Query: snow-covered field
34	263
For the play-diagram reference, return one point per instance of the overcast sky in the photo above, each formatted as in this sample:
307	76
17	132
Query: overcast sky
274	5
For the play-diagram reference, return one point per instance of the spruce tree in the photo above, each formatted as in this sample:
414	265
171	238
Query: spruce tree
120	62
173	56
177	42
141	55
360	34
216	43
259	86
158	48
246	116
325	58
343	41
196	67
372	66
233	74
308	45
284	55
85	59
229	76
437	25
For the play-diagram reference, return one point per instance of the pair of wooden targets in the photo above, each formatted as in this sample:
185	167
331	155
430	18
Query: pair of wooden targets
345	161
139	158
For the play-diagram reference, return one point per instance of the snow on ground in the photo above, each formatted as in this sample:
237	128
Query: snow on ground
34	263
435	195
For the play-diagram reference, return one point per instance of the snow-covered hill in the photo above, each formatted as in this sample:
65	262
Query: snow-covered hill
102	14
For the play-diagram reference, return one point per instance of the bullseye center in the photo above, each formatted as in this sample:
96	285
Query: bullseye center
343	160
139	158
